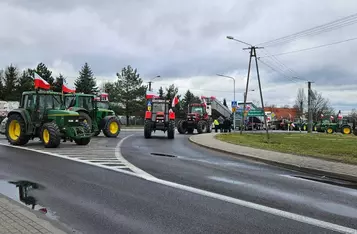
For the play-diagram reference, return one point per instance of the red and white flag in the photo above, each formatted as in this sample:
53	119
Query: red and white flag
40	82
66	89
331	117
175	101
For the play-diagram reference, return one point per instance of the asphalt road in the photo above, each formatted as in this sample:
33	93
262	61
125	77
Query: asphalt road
243	179
95	200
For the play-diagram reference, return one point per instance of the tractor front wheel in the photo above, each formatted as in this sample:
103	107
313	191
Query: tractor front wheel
171	130
201	126
111	127
147	129
329	130
16	130
50	135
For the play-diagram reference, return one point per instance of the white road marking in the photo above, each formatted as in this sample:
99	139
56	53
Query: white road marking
225	180
129	165
143	175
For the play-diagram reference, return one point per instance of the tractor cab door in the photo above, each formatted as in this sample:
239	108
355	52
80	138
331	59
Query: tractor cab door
28	103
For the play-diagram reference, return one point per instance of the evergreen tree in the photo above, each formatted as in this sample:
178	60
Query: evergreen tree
130	92
10	82
25	83
57	85
161	92
225	102
86	82
109	88
171	92
45	73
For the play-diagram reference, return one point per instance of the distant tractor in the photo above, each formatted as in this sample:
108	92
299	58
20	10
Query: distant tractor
199	117
42	114
95	112
159	116
329	127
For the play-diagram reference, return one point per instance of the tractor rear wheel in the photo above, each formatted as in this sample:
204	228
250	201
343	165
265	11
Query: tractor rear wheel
182	126
84	117
111	127
201	126
16	130
84	141
50	135
171	130
147	129
346	129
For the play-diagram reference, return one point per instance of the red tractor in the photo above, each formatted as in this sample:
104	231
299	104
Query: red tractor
159	116
199	117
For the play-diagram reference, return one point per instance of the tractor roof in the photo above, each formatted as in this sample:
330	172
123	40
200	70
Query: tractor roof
42	92
196	104
159	101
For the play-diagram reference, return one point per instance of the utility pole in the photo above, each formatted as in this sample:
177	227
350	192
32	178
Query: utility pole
253	53
150	85
309	91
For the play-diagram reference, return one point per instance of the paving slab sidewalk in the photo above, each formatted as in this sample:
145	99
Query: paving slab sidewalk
302	163
15	218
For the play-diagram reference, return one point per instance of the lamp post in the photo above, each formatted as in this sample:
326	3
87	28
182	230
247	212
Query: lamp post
152	82
234	96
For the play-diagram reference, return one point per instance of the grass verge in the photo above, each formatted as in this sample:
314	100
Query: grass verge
336	147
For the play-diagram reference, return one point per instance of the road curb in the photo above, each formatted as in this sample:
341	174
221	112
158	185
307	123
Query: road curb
313	171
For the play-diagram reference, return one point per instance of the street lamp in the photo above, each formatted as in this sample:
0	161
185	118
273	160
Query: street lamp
152	82
234	96
232	38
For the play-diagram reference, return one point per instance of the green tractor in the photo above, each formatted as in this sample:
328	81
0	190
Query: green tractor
329	127
95	112
42	114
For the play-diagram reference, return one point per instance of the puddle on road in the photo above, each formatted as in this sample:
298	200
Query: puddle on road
21	192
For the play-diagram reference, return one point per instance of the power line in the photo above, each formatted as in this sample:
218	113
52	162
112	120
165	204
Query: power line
312	48
336	24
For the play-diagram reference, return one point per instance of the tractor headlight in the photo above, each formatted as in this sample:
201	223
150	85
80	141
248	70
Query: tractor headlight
70	120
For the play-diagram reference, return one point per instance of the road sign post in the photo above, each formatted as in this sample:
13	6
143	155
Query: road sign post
234	108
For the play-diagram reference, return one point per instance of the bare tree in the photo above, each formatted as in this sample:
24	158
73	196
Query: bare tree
320	106
353	113
300	101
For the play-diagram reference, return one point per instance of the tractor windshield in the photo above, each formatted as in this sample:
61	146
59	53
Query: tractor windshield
197	110
103	105
159	107
69	101
50	102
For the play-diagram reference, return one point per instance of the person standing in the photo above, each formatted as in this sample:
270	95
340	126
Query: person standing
216	125
221	121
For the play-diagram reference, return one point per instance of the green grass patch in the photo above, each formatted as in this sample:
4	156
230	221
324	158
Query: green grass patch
336	147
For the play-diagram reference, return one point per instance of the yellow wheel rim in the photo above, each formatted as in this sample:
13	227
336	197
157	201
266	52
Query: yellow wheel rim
14	130
315	128
346	130
304	127
329	130
113	127
85	121
46	136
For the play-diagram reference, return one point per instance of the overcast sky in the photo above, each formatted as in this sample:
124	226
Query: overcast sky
185	43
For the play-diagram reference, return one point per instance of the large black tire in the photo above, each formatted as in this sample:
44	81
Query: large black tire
346	129
171	130
84	141
111	127
84	117
147	129
201	126
181	126
50	135
209	128
15	130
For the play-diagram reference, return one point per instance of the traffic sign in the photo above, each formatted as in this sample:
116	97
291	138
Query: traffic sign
149	103
234	103
233	109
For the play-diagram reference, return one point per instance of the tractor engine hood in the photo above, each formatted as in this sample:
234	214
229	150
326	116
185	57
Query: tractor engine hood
54	113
